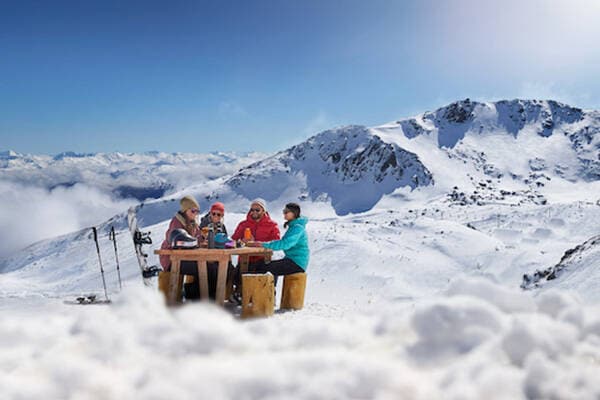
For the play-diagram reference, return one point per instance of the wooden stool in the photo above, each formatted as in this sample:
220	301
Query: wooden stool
258	295
292	296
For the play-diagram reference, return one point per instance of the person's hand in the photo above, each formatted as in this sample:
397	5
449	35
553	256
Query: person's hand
248	240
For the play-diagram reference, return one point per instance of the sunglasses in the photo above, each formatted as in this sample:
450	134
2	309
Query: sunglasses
255	209
194	210
216	214
285	211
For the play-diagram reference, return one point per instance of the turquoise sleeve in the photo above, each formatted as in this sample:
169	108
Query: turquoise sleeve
289	240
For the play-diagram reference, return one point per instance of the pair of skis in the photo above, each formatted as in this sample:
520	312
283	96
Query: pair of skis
139	239
92	298
112	236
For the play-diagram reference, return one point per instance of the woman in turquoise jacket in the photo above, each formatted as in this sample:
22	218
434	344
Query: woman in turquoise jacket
294	245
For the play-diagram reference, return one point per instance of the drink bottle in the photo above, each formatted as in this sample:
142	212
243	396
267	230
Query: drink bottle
211	238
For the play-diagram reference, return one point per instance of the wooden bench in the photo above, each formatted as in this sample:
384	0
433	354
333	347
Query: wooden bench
294	286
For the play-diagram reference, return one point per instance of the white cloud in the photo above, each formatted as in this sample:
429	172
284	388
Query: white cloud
318	123
29	213
232	109
514	39
550	91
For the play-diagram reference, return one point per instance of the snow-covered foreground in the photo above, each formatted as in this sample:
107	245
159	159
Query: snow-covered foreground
477	340
408	303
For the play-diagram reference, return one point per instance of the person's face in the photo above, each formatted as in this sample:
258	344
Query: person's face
215	216
191	214
256	212
288	215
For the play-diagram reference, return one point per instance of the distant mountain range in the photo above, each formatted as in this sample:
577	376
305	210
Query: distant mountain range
467	151
126	175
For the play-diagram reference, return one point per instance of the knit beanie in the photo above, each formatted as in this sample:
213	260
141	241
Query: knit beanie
218	206
260	202
187	203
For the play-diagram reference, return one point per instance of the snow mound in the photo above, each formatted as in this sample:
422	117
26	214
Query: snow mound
455	346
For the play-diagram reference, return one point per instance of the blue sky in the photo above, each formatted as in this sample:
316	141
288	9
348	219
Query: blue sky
262	75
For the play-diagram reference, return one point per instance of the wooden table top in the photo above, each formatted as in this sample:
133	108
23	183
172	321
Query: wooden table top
214	252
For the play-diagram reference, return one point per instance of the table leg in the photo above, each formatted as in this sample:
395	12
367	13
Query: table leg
243	261
203	279
221	280
175	276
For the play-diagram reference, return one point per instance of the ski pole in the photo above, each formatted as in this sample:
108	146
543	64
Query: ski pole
113	237
100	260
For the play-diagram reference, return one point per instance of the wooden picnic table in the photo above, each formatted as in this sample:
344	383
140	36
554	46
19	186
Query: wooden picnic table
203	255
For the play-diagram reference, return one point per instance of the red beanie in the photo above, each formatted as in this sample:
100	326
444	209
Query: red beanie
218	206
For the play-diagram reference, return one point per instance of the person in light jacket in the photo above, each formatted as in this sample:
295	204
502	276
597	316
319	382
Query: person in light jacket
294	244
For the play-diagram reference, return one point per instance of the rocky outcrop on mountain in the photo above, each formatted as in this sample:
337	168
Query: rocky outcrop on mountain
350	166
583	260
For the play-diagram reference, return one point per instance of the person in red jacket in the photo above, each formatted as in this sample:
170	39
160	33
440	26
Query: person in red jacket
262	227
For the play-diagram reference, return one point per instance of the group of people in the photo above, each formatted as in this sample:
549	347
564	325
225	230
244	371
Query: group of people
264	233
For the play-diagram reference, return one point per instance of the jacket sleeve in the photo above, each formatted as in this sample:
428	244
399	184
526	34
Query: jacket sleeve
291	237
239	232
175	224
165	261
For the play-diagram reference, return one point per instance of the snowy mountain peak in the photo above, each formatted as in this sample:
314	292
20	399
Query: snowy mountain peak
71	154
522	137
459	111
455	120
349	165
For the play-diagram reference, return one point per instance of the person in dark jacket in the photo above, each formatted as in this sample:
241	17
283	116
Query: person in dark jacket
294	245
214	218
